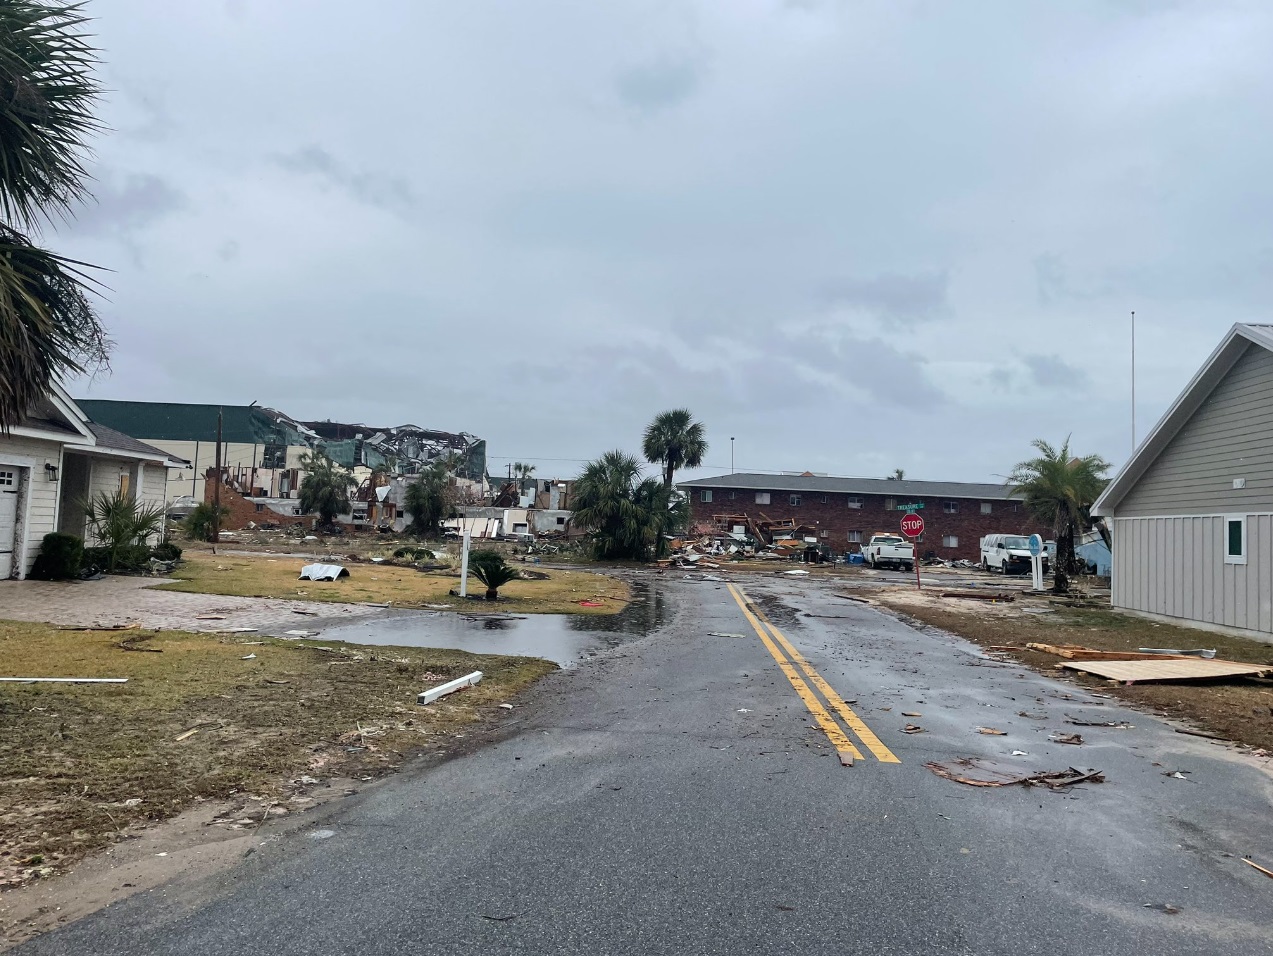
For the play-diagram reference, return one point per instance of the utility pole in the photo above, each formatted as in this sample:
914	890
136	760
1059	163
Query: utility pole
1133	381
731	454
216	492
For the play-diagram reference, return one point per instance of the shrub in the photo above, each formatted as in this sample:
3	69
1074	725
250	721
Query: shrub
414	554
198	524
123	525
166	551
489	568
60	557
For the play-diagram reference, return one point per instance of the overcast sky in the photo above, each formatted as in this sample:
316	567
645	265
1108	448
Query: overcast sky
853	235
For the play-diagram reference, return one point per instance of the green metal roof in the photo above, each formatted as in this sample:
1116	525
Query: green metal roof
179	421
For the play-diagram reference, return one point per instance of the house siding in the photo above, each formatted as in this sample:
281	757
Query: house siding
37	501
1175	566
1230	436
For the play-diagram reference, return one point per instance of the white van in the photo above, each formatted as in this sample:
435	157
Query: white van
1009	553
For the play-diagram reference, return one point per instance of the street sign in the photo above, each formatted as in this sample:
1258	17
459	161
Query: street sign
912	525
1036	545
913	506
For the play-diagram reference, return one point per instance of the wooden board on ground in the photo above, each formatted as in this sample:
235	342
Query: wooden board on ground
1077	652
1131	672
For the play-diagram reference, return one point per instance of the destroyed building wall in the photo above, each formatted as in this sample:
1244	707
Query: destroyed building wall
245	512
950	534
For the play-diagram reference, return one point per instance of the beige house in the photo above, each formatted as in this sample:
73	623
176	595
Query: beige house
1191	513
53	461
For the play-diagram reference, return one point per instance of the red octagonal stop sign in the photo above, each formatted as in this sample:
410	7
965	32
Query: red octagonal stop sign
912	525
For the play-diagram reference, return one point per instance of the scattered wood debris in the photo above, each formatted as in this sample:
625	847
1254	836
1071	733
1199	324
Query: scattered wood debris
1076	739
1167	668
980	595
1251	863
992	732
975	773
1118	724
1077	652
912	729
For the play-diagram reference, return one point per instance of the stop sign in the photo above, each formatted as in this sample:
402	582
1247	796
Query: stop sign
912	525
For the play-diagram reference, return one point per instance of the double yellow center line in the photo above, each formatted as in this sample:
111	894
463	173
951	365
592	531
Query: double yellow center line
777	644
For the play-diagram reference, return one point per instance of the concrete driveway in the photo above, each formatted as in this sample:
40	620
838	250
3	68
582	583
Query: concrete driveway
128	600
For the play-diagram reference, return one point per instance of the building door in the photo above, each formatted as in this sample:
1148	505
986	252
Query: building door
8	518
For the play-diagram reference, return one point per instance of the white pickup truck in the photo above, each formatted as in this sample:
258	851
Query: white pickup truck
890	550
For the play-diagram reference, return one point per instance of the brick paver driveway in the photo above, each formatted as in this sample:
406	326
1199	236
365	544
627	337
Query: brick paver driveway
127	600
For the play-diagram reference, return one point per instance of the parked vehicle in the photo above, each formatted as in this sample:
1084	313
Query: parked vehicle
890	551
1009	553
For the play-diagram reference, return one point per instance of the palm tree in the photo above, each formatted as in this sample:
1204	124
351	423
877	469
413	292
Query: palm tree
624	514
674	440
522	470
47	91
325	488
489	568
1059	490
897	475
428	500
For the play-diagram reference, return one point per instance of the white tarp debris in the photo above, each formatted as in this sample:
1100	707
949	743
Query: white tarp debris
323	572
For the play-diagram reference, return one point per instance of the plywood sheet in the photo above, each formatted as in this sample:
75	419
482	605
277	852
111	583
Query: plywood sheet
1171	669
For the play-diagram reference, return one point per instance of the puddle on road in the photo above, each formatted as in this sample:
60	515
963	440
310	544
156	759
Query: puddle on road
562	638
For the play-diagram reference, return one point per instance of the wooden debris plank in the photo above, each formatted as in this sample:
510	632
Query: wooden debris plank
1076	652
1130	672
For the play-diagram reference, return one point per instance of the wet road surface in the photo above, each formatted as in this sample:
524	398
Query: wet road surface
681	793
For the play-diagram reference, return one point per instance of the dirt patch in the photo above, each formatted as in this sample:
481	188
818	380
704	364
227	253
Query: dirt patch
85	765
558	592
1241	710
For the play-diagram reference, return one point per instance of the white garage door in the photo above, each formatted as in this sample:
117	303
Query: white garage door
8	517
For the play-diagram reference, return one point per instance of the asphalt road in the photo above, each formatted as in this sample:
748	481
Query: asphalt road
676	795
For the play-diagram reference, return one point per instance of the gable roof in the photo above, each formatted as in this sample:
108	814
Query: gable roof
111	440
1231	348
900	488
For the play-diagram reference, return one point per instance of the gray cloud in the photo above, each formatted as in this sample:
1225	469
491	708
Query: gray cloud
123	204
894	299
1051	371
374	189
659	84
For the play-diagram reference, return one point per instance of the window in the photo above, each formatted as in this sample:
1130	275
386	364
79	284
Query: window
986	508
855	537
890	504
560	521
762	497
855	501
260	507
824	499
705	495
8	479
826	533
950	507
950	541
793	500
1235	539
733	495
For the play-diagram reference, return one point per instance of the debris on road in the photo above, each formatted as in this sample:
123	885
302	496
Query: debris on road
1162	907
1177	774
450	687
911	713
980	595
1200	733
1075	739
1118	724
1020	753
505	706
976	773
992	732
1251	863
912	729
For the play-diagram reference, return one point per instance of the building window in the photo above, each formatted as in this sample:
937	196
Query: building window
1235	539
824	499
826	533
855	501
560	521
762	497
890	504
950	541
8	478
260	507
733	495
986	508
950	507
855	537
793	500
705	495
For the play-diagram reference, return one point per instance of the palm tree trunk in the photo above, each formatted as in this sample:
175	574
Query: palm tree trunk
492	594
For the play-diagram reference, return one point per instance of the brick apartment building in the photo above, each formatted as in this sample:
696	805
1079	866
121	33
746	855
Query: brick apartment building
847	511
